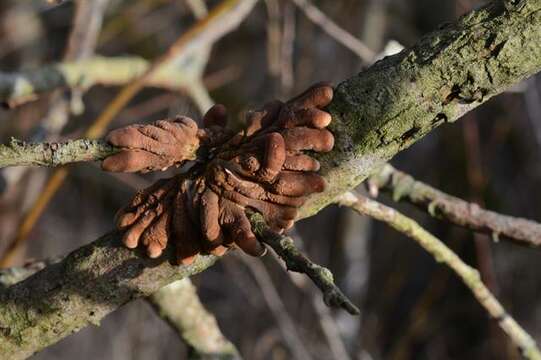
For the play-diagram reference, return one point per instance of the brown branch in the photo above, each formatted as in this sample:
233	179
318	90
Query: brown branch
272	297
457	211
343	37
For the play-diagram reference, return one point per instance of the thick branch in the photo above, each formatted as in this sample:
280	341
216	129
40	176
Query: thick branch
401	98
80	290
457	211
443	254
177	303
18	153
375	115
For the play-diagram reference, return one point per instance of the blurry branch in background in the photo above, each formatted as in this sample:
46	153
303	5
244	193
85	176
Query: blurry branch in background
403	187
86	26
443	254
336	32
87	23
326	319
224	18
18	88
179	304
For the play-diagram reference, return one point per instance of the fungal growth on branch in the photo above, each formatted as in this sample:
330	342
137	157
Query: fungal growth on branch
265	168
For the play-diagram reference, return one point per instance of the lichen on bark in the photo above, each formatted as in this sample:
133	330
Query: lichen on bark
391	105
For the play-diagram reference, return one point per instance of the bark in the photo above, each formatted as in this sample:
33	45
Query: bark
376	114
80	290
456	211
18	153
449	72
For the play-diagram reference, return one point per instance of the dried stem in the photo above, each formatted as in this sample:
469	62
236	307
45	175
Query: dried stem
457	211
443	254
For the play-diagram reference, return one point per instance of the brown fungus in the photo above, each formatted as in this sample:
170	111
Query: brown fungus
265	168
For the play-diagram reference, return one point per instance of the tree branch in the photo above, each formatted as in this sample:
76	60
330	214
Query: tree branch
457	211
18	153
343	37
375	115
81	289
179	304
298	262
443	254
401	98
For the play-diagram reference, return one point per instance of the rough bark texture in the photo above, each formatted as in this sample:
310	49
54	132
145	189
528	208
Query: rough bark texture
376	114
18	153
80	290
390	106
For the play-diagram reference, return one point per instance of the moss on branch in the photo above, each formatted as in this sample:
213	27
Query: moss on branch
449	72
88	284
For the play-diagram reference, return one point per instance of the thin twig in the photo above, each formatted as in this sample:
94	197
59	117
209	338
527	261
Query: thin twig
441	205
336	32
443	254
325	317
298	262
18	153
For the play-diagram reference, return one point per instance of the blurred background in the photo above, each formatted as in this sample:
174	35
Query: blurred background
411	308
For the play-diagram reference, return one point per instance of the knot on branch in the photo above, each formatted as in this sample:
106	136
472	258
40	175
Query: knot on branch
265	168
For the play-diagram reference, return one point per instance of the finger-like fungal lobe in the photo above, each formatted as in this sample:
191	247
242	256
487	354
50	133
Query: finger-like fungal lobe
267	168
